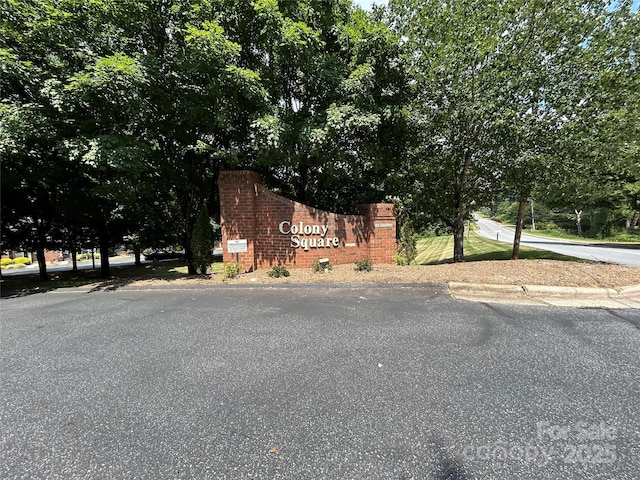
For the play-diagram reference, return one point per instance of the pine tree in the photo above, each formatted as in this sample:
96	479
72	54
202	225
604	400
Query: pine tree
202	241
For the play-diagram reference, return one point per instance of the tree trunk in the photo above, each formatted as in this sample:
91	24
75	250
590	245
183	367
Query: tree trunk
136	255
301	193
458	240
42	262
74	258
634	222
191	268
579	221
522	208
104	255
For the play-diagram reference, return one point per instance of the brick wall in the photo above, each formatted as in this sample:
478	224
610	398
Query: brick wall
250	211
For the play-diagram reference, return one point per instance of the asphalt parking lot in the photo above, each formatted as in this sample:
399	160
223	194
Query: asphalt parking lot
315	382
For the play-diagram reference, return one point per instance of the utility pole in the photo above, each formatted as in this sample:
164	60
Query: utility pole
533	222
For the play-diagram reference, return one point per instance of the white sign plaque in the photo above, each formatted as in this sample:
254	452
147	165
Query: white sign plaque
237	246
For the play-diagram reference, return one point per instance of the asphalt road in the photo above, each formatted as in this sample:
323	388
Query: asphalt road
596	252
315	383
67	265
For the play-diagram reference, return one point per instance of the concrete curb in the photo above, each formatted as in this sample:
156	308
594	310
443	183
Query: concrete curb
624	297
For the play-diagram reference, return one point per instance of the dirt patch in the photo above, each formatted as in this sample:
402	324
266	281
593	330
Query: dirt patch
520	272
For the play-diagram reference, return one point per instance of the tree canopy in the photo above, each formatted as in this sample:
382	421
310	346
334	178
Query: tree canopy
116	117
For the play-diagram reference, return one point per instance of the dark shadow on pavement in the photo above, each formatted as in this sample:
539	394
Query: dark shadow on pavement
449	468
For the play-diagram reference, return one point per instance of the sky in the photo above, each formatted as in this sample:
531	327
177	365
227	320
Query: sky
366	4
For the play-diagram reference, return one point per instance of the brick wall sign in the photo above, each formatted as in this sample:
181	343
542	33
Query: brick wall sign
279	231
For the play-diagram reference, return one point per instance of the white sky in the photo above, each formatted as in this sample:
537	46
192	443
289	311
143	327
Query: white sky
366	4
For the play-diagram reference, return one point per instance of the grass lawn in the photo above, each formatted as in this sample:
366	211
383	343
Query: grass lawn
119	275
434	250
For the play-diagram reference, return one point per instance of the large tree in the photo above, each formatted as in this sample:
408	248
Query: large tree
455	50
336	88
597	160
503	90
168	105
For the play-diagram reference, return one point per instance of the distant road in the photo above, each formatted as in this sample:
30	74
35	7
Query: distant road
62	266
609	253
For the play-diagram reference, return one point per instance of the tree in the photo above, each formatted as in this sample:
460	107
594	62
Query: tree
454	51
597	159
502	90
336	84
202	242
167	105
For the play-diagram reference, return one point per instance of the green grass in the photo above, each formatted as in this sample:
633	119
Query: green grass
120	275
435	250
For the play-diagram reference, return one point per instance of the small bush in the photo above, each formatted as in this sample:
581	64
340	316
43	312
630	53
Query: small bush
364	265
551	225
400	259
408	242
278	271
316	267
6	261
22	261
231	270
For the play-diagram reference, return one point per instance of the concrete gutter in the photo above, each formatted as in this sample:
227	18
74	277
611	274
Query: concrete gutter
625	297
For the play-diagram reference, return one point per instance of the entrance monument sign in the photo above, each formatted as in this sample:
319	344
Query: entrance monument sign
279	231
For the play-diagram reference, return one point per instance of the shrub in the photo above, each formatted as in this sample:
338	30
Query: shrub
408	241
316	267
278	271
231	270
551	225
364	265
6	261
202	241
22	261
400	259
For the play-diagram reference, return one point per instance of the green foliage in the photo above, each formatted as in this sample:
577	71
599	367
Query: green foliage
231	270
87	256
316	267
363	265
278	271
408	241
116	117
400	259
202	241
549	226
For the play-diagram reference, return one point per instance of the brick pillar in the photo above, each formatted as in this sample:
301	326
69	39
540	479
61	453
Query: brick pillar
238	192
380	221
